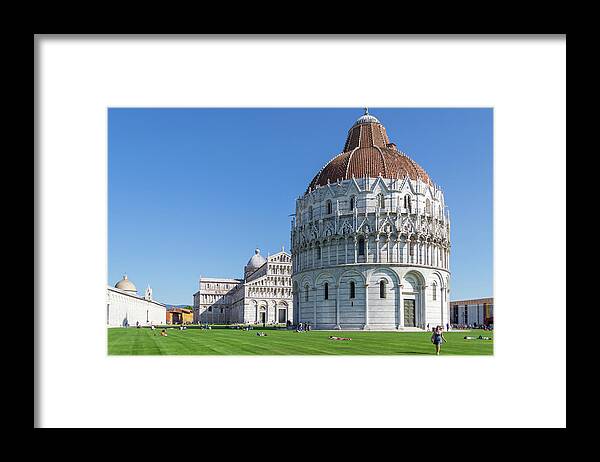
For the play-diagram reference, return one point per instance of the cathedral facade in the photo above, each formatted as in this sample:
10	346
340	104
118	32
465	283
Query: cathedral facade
264	295
371	240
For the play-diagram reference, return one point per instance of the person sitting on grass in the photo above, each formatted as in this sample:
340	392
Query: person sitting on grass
261	334
331	337
163	333
437	338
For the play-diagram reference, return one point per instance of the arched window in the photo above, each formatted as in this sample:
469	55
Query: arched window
328	207
407	203
306	293
361	245
382	289
434	289
352	202
352	289
326	291
318	252
380	201
310	213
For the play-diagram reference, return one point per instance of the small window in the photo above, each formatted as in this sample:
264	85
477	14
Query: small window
210	309
361	245
318	252
328	207
434	289
305	293
326	291
352	289
381	289
352	202
380	201
428	207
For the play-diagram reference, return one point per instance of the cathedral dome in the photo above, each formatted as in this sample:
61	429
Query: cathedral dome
126	285
256	261
368	152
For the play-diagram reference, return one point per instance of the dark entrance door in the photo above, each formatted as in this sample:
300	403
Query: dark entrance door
263	317
282	316
409	313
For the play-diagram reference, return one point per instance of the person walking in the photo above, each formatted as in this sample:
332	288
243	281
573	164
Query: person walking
437	338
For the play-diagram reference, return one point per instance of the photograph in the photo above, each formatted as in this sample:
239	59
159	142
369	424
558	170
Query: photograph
300	231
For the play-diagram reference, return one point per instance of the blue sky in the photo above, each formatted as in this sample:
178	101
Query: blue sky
194	191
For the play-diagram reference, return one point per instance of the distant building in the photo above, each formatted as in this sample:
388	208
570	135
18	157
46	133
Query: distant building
124	307
264	295
180	316
479	311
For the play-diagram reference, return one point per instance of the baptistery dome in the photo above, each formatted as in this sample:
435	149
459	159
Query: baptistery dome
371	240
368	152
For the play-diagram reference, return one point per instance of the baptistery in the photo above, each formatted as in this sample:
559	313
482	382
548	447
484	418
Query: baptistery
371	240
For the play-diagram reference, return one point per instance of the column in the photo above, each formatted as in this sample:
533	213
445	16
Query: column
366	249
377	259
422	306
355	249
423	303
315	307
400	322
337	306
366	306
442	300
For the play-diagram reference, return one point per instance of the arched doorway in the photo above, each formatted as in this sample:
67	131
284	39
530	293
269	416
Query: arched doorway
412	300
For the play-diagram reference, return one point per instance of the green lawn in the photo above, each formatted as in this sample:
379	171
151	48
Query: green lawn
216	341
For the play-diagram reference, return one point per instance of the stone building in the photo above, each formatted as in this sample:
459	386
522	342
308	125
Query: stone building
371	240
124	307
474	312
264	295
180	316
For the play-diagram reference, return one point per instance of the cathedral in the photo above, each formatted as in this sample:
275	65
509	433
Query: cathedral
263	296
371	240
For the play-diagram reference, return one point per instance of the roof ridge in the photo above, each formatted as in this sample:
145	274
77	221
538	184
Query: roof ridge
349	159
383	161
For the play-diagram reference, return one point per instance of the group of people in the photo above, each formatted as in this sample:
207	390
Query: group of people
303	327
472	326
447	326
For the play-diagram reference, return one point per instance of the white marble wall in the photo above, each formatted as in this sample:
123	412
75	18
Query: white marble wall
408	247
122	308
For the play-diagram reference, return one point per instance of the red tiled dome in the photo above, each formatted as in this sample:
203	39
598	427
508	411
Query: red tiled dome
368	152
